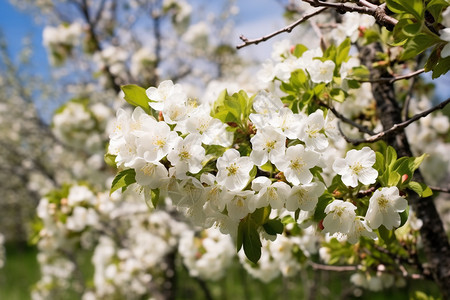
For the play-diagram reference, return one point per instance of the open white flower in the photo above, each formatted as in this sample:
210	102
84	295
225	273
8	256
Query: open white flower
384	208
321	71
233	170
274	194
187	155
150	174
287	123
305	196
340	217
212	130
238	205
267	144
156	142
312	132
360	228
296	164
357	165
159	95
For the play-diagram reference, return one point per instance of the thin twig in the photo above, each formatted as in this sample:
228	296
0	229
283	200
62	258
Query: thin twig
285	29
396	78
398	126
378	12
338	115
440	189
317	266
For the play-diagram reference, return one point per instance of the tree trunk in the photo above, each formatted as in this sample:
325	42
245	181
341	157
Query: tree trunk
435	241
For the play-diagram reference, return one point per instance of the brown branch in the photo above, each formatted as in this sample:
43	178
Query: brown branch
397	127
317	266
344	119
285	29
440	189
378	12
396	78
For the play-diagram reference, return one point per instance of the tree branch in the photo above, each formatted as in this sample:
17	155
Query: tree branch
317	266
440	189
378	12
285	29
396	78
398	126
344	119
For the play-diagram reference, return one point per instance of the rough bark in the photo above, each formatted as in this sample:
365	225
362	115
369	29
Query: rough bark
435	241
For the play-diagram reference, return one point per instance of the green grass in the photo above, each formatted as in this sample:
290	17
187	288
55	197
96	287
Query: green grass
20	272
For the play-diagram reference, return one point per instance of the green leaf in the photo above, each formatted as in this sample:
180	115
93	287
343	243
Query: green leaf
432	60
394	178
418	44
391	156
136	96
324	200
123	180
338	95
387	236
379	163
435	7
395	6
404	217
416	162
299	50
250	240
441	68
412	29
260	215
155	197
110	160
273	227
342	51
420	188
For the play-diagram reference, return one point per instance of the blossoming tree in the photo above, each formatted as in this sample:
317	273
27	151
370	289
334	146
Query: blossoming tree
311	170
279	172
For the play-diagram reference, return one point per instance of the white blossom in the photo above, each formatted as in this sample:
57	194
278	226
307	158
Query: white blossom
321	71
340	217
233	171
357	165
296	164
305	196
384	208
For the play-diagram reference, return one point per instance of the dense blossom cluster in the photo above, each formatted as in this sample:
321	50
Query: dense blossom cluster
230	167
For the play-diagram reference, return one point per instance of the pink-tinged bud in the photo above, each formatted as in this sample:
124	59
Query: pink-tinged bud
292	49
361	29
160	116
404	178
320	225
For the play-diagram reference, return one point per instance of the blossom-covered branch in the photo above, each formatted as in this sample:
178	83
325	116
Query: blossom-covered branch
398	126
285	29
378	12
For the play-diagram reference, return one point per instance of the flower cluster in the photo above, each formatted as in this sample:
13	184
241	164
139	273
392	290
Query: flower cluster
207	255
60	40
170	154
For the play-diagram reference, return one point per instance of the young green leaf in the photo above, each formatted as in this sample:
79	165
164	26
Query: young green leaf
136	96
123	180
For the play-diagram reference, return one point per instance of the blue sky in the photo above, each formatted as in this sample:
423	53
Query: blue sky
16	25
256	18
